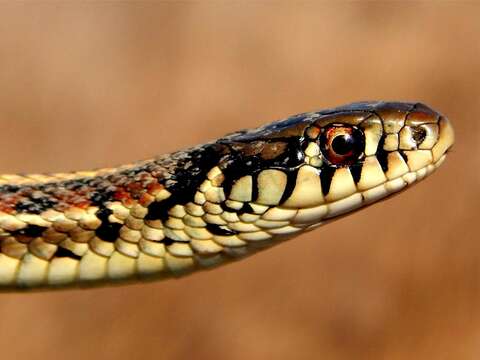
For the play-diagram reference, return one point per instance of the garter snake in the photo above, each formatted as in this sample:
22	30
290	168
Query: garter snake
216	202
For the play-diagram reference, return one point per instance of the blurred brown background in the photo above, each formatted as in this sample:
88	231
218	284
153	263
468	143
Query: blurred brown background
93	84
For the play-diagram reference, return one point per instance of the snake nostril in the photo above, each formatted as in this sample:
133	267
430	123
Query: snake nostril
418	134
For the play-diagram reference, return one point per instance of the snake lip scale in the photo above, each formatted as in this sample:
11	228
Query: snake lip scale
215	202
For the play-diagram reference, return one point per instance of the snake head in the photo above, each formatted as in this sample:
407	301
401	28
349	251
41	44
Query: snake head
316	166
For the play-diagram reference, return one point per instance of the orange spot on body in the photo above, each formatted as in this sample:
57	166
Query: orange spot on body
121	195
6	208
146	199
154	188
8	203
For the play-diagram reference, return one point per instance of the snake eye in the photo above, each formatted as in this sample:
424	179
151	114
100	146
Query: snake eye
342	145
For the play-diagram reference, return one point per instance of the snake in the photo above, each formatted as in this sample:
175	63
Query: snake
213	203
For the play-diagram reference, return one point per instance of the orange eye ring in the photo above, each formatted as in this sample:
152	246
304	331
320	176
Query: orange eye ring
342	145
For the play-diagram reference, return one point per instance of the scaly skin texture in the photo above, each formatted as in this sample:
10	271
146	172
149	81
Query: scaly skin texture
215	202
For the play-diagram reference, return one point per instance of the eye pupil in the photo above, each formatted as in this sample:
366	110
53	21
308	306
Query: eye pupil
342	144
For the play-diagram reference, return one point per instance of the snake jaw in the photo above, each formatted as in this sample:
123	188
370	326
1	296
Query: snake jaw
214	202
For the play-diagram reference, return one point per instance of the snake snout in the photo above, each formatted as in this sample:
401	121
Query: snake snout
425	134
446	139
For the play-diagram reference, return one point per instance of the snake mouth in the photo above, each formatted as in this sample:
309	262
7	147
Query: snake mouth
311	218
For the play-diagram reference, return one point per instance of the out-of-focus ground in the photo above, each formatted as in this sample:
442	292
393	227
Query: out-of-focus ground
93	84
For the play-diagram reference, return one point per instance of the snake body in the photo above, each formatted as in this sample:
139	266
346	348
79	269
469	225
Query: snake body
215	202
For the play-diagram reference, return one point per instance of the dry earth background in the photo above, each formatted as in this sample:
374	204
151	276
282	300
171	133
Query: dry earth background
93	84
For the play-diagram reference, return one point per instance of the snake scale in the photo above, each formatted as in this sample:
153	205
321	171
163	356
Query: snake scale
216	202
